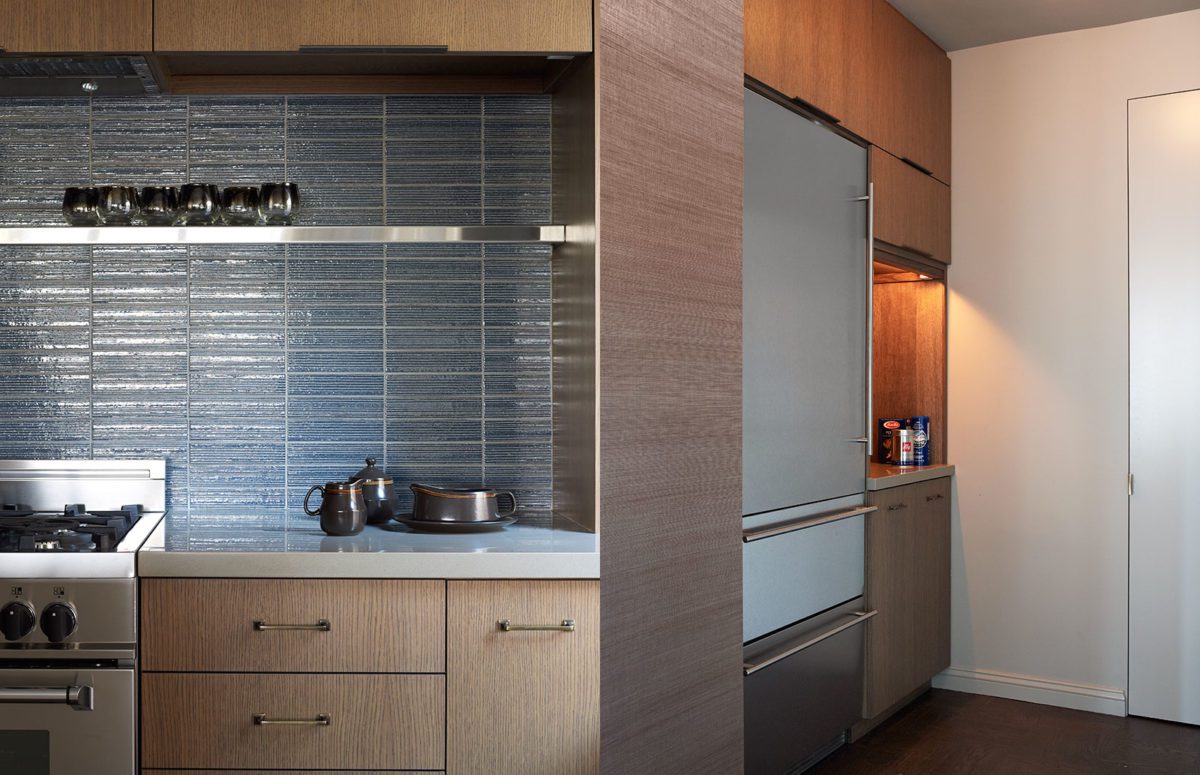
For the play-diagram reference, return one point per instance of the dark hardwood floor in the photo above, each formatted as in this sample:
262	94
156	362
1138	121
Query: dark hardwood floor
947	733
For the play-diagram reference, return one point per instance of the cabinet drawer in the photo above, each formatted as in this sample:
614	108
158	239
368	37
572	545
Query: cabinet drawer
372	626
912	210
284	772
375	722
523	701
57	26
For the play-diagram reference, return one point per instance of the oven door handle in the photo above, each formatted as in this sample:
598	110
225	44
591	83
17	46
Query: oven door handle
75	697
856	618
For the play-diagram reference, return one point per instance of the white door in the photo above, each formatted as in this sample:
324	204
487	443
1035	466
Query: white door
1164	407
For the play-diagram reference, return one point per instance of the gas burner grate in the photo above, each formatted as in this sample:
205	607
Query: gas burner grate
76	529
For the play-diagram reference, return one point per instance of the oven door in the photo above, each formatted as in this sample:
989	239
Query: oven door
66	721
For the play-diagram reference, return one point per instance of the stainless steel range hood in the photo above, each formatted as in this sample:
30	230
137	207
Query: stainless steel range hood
75	75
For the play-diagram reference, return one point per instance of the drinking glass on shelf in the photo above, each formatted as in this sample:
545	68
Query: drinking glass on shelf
81	206
239	205
198	203
279	203
159	205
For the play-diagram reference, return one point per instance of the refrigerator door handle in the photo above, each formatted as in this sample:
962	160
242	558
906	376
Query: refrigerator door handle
857	618
825	517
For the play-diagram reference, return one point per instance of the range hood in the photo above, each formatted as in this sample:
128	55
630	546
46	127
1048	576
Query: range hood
76	75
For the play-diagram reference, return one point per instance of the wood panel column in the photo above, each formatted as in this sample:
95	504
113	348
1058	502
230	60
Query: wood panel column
670	237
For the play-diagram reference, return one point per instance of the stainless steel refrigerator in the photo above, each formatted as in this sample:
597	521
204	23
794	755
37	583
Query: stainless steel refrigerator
806	272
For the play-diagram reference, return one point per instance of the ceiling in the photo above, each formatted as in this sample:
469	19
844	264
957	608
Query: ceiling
955	24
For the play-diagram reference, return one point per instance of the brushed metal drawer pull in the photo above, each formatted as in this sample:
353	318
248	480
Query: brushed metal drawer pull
568	625
937	497
322	625
897	506
825	517
261	720
856	618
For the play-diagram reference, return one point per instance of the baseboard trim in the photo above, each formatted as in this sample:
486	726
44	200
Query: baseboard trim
1097	699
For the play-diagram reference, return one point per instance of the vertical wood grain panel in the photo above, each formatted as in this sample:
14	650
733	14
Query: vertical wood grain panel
53	26
910	88
912	209
908	581
818	50
573	272
909	368
670	117
523	702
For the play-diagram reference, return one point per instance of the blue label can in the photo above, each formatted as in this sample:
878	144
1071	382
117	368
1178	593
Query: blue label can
922	447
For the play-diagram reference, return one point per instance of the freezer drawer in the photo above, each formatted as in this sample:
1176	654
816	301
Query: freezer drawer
815	565
803	688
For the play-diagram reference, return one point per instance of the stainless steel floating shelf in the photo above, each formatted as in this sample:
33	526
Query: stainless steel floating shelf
269	235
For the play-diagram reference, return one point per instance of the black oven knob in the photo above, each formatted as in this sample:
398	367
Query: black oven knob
17	620
58	621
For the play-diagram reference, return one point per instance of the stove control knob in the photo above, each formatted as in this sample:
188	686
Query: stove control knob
17	620
58	621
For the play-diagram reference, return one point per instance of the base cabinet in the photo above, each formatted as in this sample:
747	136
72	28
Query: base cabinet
335	676
524	699
908	582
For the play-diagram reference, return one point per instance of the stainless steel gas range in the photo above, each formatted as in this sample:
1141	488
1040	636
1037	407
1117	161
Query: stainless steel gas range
69	534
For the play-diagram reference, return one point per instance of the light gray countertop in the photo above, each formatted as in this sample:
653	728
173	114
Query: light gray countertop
536	547
882	477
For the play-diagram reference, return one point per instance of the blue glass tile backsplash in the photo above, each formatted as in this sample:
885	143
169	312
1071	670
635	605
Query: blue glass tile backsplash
257	371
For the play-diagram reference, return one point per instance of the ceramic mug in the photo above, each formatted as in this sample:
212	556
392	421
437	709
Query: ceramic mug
342	512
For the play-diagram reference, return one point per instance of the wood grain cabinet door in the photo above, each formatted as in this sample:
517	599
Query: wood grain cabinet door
910	92
289	25
63	26
526	700
912	209
908	582
817	50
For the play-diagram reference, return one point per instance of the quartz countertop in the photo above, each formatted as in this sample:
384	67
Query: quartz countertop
541	546
881	476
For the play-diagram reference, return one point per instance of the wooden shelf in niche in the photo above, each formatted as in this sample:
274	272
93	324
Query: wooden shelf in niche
909	343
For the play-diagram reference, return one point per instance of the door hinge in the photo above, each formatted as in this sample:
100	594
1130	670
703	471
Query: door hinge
1129	484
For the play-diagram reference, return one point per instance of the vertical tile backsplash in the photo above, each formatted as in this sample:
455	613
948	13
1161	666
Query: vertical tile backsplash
255	370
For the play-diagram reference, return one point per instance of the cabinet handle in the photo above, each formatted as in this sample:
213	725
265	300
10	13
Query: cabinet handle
568	625
261	720
322	625
414	49
857	618
825	517
930	498
811	108
917	251
917	167
897	506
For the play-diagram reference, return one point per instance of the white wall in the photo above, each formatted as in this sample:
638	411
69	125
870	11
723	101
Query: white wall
1038	355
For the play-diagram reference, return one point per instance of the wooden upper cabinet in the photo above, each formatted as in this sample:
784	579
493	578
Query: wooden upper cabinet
528	700
816	50
523	25
910	92
288	25
912	209
65	26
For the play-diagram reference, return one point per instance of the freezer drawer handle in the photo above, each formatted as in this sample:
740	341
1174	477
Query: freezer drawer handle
825	517
322	625
567	625
261	720
75	697
857	618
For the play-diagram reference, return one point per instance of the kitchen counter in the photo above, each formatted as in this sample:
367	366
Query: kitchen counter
882	477
536	547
